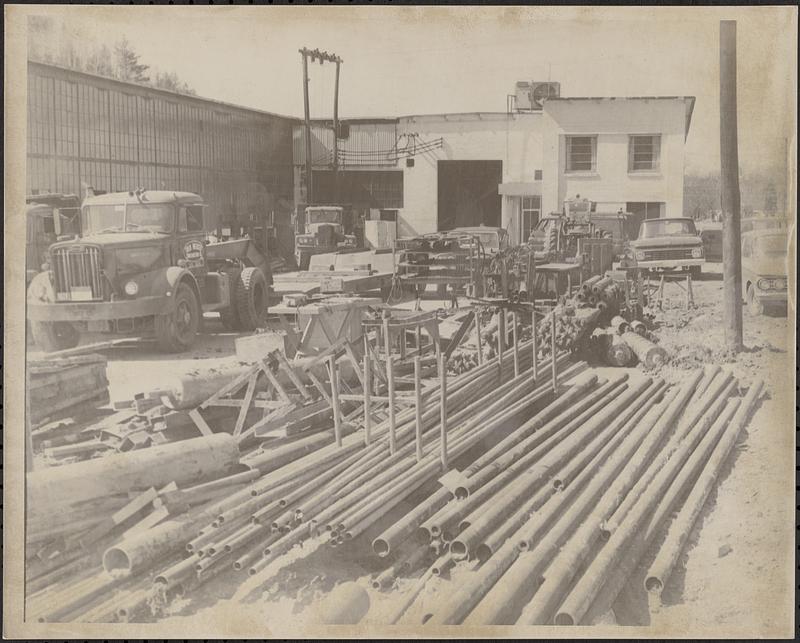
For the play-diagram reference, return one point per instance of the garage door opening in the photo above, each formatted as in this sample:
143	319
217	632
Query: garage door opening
468	193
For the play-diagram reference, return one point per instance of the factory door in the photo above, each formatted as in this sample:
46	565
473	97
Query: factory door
468	193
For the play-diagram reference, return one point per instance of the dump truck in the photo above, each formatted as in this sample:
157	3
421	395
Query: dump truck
322	231
142	265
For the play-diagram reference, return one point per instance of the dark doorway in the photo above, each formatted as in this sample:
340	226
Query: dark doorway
468	193
640	210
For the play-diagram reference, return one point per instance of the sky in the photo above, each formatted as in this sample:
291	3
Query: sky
413	60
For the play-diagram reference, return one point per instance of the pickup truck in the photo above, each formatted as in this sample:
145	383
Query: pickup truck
669	244
764	269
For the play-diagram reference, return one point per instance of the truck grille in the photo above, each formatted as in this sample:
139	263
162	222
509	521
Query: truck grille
77	273
659	254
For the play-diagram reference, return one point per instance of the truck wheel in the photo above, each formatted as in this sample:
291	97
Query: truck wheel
251	298
754	306
230	318
176	331
551	239
54	336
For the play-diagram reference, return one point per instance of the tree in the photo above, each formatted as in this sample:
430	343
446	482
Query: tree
99	62
171	81
128	67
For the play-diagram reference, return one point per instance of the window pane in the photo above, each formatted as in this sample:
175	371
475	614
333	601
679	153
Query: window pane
645	152
580	153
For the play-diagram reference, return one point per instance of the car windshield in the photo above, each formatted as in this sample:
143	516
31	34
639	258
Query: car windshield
133	217
324	216
773	245
666	228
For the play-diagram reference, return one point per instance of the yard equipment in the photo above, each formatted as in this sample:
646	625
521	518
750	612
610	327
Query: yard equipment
143	264
322	231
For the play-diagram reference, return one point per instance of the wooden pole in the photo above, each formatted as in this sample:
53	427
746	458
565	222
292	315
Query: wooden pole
516	346
534	348
307	114
337	420
553	360
443	410
478	331
390	381
367	392
418	404
336	133
387	342
730	197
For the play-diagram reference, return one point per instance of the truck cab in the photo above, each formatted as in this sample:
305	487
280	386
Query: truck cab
669	244
322	231
48	217
142	265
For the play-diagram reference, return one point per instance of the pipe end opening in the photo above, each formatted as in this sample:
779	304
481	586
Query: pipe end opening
461	493
115	560
458	549
380	547
653	584
564	619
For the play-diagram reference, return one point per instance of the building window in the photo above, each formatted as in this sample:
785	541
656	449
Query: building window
531	211
644	153
581	153
537	175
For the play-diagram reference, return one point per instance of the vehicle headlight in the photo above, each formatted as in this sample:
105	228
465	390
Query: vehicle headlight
638	254
697	252
131	288
780	284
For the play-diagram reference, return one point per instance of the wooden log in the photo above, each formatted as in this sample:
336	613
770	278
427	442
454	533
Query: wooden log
649	354
185	462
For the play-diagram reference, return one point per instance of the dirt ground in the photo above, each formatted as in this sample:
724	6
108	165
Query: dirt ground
736	571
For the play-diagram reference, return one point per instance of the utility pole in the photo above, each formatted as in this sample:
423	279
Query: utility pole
309	189
730	197
322	56
336	133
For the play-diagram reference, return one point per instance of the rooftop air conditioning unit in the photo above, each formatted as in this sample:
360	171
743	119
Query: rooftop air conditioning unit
523	96
541	91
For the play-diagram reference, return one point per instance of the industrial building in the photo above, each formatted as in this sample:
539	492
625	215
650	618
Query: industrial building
428	172
436	172
115	136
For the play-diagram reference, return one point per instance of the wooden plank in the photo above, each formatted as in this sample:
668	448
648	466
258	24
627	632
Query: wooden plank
348	348
459	335
248	398
90	348
200	423
289	369
319	385
231	386
275	383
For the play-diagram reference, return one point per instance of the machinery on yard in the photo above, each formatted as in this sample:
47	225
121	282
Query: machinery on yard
323	231
557	235
143	265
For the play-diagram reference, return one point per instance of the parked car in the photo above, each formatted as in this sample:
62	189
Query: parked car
764	269
492	239
711	235
669	244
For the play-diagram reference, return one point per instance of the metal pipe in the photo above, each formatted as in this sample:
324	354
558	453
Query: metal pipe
367	392
669	551
418	405
534	349
337	420
551	526
514	336
692	451
407	525
392	419
553	363
478	334
443	411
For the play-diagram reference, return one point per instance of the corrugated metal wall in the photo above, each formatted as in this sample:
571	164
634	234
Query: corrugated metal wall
119	136
372	144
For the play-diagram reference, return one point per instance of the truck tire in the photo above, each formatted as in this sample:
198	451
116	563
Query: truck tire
54	336
230	317
551	238
177	331
251	298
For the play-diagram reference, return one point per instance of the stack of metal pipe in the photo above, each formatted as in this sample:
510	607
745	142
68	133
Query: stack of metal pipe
557	528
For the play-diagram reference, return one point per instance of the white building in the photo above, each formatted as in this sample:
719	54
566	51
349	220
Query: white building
447	170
